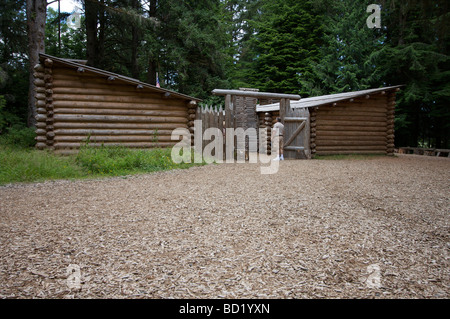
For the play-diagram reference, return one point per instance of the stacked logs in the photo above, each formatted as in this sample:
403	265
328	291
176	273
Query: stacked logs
267	120
44	105
362	125
390	123
312	125
192	115
76	105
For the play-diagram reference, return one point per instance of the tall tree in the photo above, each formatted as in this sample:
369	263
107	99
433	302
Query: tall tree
417	54
36	15
95	31
13	63
348	61
284	40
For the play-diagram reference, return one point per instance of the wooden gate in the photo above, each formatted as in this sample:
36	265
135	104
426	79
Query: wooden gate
296	131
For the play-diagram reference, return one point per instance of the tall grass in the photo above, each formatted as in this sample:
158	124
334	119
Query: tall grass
27	165
20	163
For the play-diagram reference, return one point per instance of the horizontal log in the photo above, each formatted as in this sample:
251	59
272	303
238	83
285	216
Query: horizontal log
92	111
108	132
130	126
40	117
350	123
321	143
41	110
128	145
350	135
352	148
119	119
40	103
48	78
40	96
39	75
346	152
379	137
136	98
110	139
40	131
362	129
39	67
39	89
41	125
113	105
342	110
48	63
39	82
90	86
345	117
41	146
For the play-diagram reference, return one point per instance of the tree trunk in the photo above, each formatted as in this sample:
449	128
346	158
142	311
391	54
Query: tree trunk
91	32
36	15
151	70
95	32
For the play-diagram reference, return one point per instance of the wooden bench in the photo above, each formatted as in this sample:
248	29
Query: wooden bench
424	151
440	151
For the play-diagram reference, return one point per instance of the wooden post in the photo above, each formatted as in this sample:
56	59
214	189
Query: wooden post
282	109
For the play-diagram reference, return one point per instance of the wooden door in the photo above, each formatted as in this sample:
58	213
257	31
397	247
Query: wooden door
296	131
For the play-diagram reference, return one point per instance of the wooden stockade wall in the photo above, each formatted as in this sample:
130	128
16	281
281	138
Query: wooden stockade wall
364	125
76	104
266	121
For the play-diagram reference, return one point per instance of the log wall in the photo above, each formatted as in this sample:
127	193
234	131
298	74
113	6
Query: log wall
364	125
74	105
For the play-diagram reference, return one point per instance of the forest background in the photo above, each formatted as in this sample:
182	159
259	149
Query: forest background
308	47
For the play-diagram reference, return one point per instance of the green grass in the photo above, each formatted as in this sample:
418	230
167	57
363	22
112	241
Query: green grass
26	164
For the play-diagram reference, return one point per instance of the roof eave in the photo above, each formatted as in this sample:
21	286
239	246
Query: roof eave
136	82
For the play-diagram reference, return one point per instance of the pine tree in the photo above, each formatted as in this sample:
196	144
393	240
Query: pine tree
349	60
284	41
417	54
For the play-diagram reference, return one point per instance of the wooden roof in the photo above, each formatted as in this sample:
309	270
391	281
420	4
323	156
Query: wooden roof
75	64
325	99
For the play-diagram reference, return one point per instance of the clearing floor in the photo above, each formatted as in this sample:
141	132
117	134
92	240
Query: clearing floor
362	228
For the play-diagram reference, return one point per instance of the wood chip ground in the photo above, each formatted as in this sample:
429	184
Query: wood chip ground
374	228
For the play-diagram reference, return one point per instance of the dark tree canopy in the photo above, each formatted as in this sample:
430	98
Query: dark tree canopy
310	47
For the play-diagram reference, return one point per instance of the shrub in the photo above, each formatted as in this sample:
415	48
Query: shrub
19	136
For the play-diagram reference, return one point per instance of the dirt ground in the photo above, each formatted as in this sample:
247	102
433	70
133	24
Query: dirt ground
372	228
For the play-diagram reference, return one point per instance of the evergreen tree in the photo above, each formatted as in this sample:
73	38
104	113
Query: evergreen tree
348	54
417	54
283	41
14	73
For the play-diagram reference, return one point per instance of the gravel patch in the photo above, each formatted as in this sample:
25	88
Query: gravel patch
373	228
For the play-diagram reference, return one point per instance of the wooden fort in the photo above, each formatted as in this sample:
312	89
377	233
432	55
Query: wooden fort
360	122
76	102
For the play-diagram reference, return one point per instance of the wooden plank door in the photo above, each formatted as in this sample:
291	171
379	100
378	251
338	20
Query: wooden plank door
296	131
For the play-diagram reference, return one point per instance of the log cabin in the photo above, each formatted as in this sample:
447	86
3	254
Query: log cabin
76	103
360	122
